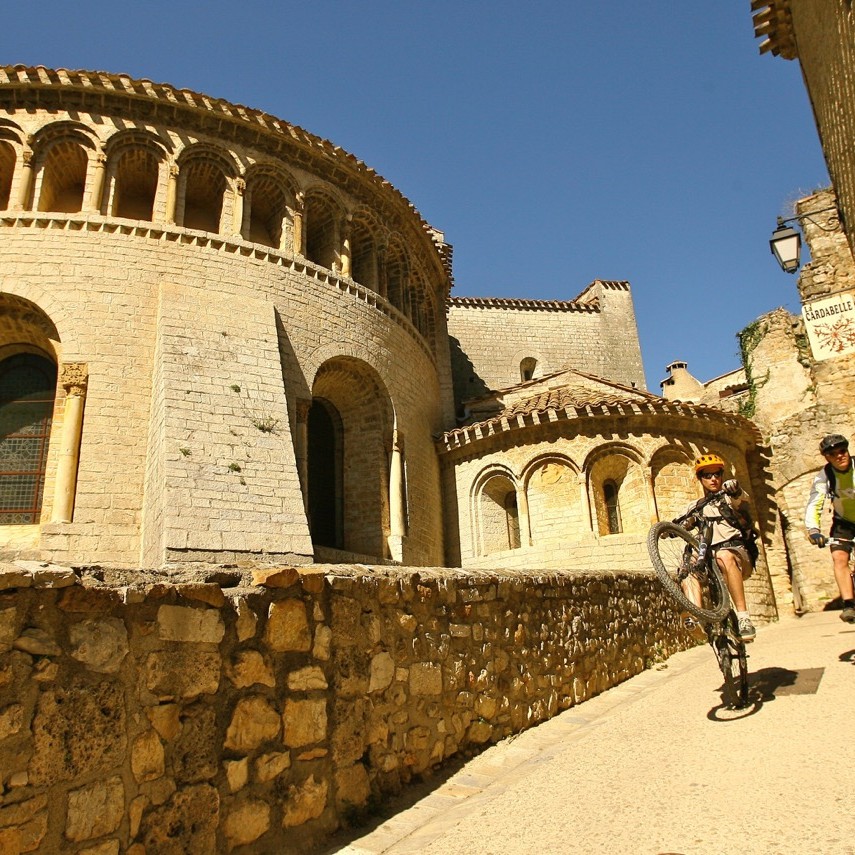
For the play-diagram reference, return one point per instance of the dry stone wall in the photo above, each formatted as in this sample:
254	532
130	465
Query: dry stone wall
256	709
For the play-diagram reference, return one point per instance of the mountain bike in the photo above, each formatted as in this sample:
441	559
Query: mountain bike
684	562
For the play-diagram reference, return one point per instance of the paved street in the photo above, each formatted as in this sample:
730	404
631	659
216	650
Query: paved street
656	766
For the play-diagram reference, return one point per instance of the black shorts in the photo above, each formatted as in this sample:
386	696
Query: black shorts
844	529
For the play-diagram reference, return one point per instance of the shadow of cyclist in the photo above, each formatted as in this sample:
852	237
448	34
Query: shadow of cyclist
762	686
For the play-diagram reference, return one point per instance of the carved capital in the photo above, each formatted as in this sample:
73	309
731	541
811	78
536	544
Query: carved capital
240	186
303	406
74	377
173	170
27	157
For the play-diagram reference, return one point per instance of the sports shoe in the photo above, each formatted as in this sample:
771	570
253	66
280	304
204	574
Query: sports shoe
746	629
848	614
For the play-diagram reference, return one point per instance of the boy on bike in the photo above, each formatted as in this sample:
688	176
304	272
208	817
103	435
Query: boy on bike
835	481
732	535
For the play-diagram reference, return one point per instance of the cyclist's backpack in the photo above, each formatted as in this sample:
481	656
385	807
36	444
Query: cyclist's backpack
742	523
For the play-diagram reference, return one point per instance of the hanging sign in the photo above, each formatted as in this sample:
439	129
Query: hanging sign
830	325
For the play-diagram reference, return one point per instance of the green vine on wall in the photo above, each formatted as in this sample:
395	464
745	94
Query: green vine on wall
748	339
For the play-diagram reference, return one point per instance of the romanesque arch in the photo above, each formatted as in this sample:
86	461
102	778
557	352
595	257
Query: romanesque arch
365	243
62	152
322	224
28	382
554	500
674	482
205	173
269	199
350	419
397	275
495	511
617	489
7	172
135	169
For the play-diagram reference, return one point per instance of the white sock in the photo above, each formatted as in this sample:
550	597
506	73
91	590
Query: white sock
741	615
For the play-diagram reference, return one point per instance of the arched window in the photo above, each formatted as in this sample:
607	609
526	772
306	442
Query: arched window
27	389
136	184
268	208
527	367
499	515
7	168
64	178
512	517
204	188
610	495
322	232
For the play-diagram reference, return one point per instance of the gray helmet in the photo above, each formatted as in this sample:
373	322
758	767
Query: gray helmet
831	440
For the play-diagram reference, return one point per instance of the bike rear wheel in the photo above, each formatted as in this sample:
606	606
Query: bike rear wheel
673	550
733	662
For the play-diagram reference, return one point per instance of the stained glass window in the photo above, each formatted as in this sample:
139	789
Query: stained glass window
27	388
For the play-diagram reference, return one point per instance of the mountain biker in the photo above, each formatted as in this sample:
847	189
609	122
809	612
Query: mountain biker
835	481
731	536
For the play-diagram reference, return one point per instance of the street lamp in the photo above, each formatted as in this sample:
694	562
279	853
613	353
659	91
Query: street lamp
786	243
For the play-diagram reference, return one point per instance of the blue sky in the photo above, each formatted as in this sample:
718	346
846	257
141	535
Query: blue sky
553	142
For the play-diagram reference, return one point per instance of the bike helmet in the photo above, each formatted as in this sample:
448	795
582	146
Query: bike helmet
708	461
831	440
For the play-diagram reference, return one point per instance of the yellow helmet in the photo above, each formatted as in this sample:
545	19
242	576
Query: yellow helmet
708	461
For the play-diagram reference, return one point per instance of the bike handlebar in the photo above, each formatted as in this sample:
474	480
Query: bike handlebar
702	503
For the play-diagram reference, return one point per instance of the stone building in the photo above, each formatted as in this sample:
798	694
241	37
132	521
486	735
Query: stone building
282	523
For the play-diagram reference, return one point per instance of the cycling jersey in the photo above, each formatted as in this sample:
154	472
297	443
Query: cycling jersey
843	503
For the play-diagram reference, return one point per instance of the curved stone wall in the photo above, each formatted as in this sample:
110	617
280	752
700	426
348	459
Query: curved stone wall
204	264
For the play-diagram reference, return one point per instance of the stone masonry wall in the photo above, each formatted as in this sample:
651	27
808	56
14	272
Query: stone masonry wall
227	709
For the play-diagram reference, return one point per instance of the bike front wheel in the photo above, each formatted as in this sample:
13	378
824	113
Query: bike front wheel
674	551
733	661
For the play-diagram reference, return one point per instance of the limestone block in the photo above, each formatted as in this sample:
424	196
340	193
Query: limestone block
50	576
37	642
275	577
253	722
269	766
287	626
108	847
305	722
164	719
78	730
203	592
352	786
8	628
95	601
323	643
307	679
12	577
11	720
247	620
182	623
182	672
246	822
95	810
304	802
312	580
479	731
101	645
195	752
147	758
187	822
135	812
248	668
349	734
425	679
237	773
346	621
382	672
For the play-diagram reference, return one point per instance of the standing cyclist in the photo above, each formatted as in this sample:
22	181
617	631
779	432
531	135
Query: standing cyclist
835	481
732	537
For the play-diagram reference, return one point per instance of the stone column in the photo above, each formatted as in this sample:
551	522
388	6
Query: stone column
397	499
25	184
301	447
345	246
171	193
382	279
237	208
73	377
585	499
97	182
651	498
299	226
523	514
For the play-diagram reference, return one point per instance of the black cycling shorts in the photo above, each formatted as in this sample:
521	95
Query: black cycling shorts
844	529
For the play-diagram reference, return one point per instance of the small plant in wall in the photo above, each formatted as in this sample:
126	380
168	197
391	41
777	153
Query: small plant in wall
185	452
266	424
234	467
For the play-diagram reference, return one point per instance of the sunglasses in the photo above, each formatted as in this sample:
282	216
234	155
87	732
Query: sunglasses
716	474
837	449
